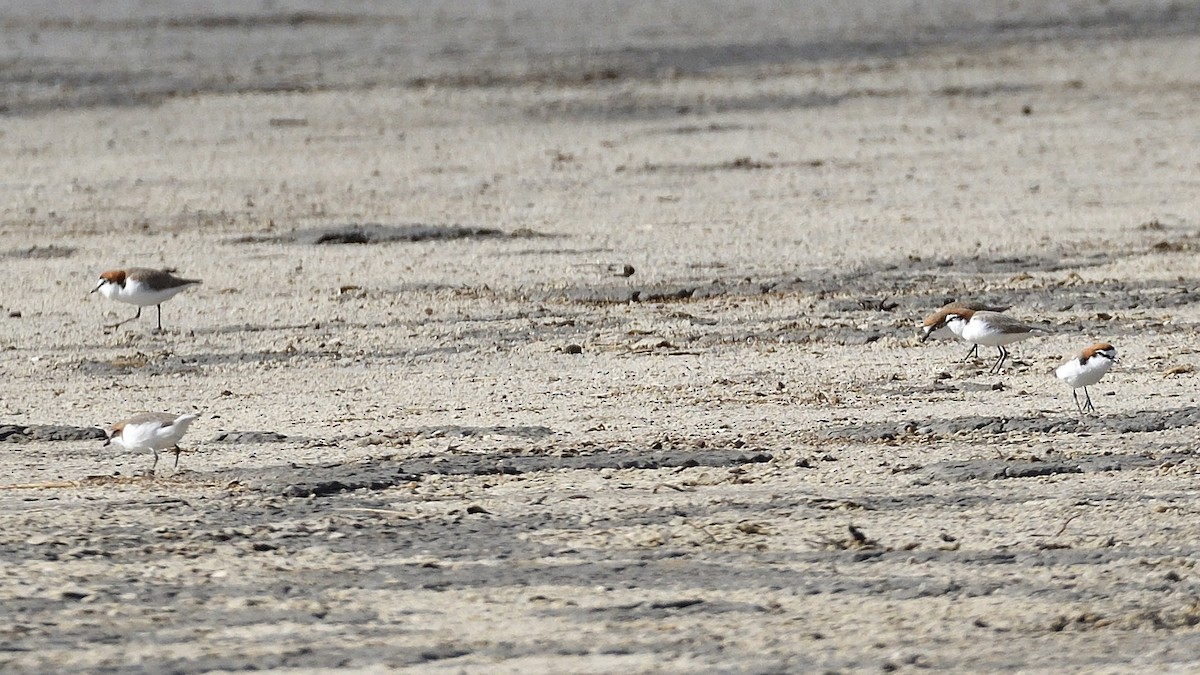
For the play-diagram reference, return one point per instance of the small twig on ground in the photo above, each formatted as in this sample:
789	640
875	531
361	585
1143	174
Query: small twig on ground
706	532
673	487
1066	523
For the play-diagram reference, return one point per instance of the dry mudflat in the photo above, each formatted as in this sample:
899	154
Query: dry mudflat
531	348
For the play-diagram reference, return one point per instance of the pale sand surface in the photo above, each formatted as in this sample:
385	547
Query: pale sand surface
450	488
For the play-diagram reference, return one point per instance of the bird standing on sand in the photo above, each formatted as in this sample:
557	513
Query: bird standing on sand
143	287
935	324
991	329
1086	369
151	431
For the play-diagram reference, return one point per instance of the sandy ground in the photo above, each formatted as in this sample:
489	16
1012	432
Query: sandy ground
625	377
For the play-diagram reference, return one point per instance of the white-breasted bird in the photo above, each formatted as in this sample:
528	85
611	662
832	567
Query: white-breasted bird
935	325
1087	369
151	431
991	329
143	287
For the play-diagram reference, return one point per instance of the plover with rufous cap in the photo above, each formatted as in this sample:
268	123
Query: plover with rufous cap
990	329
143	287
1086	369
151	431
934	325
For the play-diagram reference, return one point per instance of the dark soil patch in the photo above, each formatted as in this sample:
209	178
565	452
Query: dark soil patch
375	233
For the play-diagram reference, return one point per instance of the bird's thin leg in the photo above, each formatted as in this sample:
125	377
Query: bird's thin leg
972	352
160	330
177	451
132	318
1075	397
1088	407
999	361
155	464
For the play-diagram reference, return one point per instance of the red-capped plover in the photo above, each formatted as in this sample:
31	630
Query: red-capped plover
935	324
143	287
151	431
1087	369
991	329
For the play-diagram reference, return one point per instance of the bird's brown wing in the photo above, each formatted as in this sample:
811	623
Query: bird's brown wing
159	280
1006	324
143	417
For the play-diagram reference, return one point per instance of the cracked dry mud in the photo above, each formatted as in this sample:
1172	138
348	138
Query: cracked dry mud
602	363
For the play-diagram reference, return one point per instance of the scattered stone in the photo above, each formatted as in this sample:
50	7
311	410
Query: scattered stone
74	593
13	433
861	338
65	433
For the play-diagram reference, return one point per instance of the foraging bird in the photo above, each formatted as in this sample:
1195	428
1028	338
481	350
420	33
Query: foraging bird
991	329
151	431
143	287
934	325
1087	369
